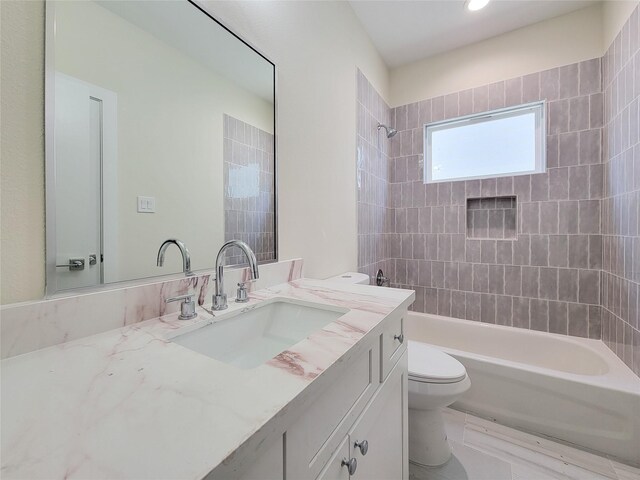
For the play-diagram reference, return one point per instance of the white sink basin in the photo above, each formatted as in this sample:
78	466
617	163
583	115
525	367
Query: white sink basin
249	338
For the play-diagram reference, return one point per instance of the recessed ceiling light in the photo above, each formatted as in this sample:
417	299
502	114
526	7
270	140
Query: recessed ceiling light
474	5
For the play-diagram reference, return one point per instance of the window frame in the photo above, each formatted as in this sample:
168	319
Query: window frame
539	108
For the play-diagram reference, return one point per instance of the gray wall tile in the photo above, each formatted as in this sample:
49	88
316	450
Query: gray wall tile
558	317
530	281
504	310
539	314
513	280
579	113
569	81
521	312
549	84
544	274
473	311
549	283
568	285
513	91
578	320
488	308
558	251
540	250
496	95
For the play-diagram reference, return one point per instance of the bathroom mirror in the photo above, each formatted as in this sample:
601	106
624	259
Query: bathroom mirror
160	123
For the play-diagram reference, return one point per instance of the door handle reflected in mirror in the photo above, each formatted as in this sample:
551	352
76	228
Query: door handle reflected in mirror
74	264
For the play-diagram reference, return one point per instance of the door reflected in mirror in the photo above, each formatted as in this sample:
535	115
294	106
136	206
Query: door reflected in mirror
163	127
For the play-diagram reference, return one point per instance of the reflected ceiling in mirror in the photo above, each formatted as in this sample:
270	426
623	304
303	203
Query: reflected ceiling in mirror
160	124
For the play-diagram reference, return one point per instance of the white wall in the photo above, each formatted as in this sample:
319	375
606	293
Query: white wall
316	47
170	135
563	40
21	151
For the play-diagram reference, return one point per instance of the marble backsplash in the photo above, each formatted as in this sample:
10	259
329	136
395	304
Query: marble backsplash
29	326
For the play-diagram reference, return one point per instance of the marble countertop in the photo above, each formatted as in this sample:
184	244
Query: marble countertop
129	403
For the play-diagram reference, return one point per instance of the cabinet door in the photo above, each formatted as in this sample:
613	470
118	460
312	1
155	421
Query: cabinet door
314	437
334	469
383	426
268	466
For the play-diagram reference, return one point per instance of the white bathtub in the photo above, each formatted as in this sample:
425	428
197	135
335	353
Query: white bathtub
572	389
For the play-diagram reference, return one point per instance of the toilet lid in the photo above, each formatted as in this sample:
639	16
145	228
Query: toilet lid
430	365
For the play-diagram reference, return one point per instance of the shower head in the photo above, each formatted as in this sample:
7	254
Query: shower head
390	131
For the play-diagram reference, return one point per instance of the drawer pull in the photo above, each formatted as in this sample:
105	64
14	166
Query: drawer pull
363	446
400	337
351	464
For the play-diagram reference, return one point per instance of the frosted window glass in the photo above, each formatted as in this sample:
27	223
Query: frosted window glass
491	144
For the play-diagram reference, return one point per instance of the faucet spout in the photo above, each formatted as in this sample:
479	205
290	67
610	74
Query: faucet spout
219	297
186	258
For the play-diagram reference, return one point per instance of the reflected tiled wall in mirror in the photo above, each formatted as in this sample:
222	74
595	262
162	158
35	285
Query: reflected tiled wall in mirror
249	190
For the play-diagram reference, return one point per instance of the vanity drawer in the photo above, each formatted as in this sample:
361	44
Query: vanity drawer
392	345
314	437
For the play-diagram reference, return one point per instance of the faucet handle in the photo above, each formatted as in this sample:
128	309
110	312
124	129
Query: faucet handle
187	307
242	295
179	297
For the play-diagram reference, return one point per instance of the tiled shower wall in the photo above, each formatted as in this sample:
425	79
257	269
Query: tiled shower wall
372	162
620	289
547	278
248	189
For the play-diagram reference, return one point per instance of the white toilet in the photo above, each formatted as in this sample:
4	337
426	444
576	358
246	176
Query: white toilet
436	380
351	277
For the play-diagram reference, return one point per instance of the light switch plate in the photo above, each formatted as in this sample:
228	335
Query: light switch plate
146	204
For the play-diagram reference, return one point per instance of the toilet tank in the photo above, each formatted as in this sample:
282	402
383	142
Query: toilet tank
351	277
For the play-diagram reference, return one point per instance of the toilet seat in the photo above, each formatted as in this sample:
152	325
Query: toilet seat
430	365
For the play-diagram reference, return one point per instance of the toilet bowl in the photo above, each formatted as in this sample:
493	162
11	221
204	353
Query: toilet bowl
436	380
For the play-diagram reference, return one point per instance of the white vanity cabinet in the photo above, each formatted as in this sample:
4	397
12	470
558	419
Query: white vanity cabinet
358	422
368	404
376	446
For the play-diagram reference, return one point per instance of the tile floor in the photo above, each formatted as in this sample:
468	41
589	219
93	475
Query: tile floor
484	450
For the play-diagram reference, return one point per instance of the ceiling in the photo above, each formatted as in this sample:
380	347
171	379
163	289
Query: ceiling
405	31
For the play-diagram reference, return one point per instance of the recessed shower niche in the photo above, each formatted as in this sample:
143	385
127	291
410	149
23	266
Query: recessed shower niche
492	218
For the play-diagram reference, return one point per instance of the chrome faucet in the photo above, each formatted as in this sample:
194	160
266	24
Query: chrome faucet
219	297
186	258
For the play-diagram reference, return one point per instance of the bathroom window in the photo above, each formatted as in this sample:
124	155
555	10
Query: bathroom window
499	143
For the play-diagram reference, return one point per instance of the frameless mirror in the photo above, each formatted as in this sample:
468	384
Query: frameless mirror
160	124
